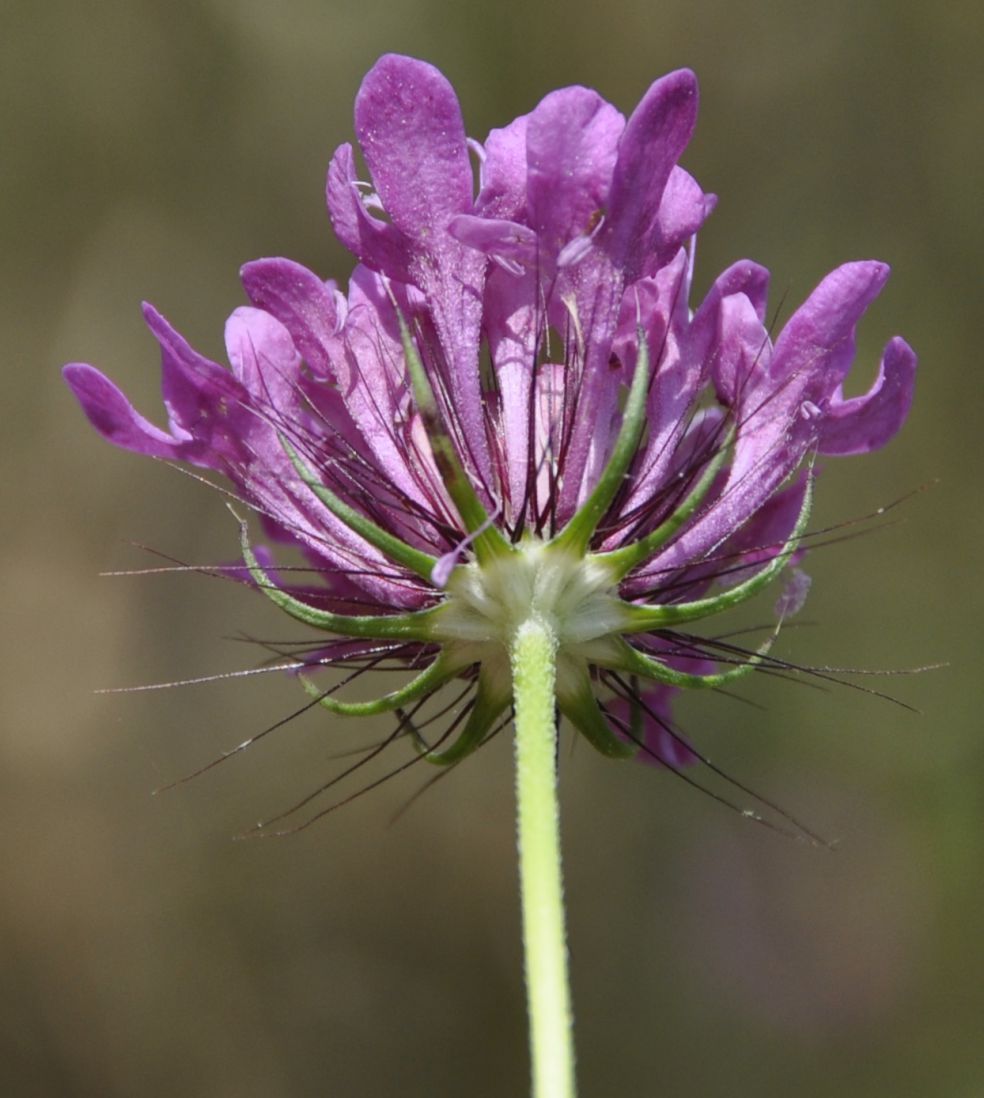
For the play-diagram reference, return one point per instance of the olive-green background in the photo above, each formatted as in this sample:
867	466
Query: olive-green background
149	149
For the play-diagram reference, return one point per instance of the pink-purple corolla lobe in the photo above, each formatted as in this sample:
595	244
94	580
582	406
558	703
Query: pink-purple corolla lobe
534	272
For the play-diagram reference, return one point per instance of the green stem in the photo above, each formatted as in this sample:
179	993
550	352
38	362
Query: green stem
533	655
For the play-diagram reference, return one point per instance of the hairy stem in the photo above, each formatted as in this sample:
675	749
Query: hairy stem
533	655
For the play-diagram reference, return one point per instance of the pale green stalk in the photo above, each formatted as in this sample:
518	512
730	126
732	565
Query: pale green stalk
533	655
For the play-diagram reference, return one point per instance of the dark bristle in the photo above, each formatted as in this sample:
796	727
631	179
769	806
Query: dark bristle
625	690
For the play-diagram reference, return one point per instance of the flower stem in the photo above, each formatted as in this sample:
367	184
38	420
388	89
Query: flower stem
533	655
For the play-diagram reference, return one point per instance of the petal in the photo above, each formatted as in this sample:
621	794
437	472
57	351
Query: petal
369	372
299	299
514	245
677	375
452	278
659	744
766	532
571	140
376	243
683	208
743	352
571	143
864	423
413	138
263	357
512	324
655	136
193	386
115	418
202	398
795	592
503	190
662	744
816	347
744	277
652	141
718	323
592	292
363	361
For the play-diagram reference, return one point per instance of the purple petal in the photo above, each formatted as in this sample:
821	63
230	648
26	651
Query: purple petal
302	303
115	418
662	744
743	277
512	327
816	347
263	357
743	354
652	141
864	423
678	375
594	287
683	208
369	372
413	138
766	533
571	141
513	245
363	361
376	243
503	190
195	389
452	278
570	146
655	136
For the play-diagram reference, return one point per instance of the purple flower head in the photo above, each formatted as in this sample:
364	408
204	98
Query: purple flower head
515	408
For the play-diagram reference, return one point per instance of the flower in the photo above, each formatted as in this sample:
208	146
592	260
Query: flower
514	408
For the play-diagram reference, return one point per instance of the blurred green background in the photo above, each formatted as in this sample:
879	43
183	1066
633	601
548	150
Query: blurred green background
150	148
